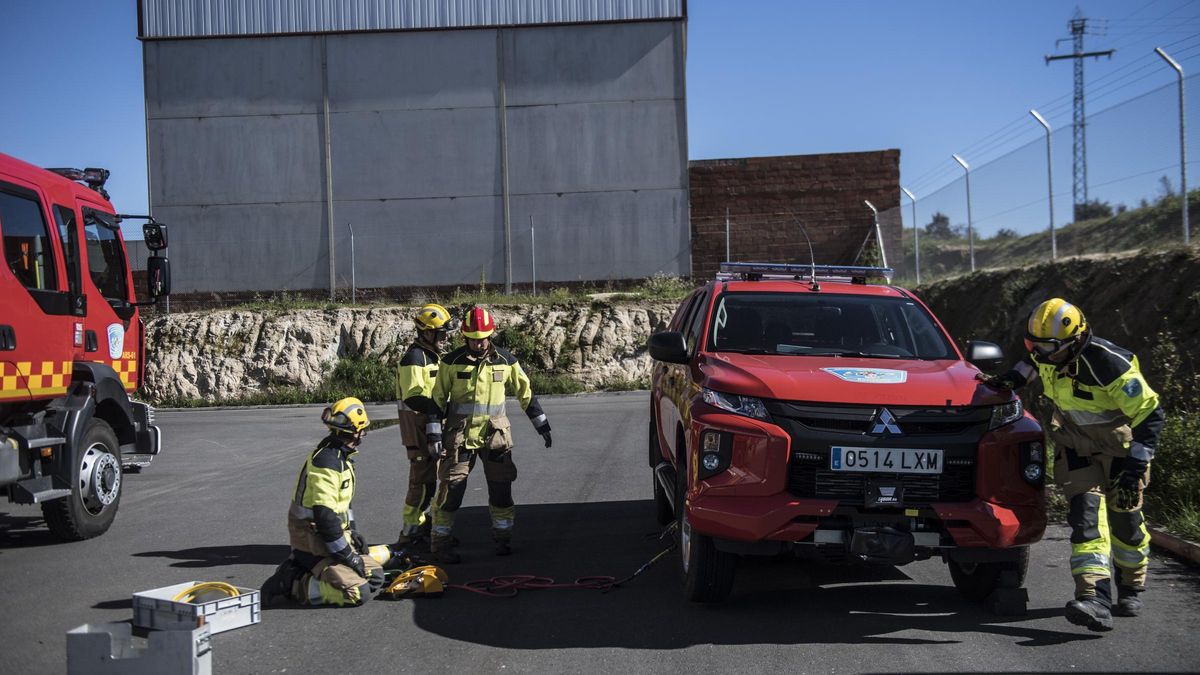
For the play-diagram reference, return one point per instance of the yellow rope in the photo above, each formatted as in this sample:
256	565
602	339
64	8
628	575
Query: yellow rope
189	594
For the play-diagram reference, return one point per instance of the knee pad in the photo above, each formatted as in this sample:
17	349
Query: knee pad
1084	517
454	496
500	494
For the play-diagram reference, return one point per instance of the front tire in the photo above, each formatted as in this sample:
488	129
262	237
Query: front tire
707	572
977	581
96	482
662	504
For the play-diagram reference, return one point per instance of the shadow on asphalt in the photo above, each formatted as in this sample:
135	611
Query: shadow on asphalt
773	601
23	531
217	556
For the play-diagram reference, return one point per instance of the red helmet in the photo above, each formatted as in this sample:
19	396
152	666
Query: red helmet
478	324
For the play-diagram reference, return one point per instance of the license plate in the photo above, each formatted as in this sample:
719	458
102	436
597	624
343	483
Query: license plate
885	460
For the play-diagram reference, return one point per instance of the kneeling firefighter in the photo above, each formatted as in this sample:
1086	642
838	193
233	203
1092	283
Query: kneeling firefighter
330	562
414	385
1103	427
470	388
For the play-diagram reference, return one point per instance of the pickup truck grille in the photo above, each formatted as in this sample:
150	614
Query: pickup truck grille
861	419
813	479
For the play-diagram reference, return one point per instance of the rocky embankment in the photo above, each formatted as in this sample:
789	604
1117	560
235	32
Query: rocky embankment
222	355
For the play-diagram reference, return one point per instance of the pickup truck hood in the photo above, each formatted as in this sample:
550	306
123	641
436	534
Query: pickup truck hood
822	379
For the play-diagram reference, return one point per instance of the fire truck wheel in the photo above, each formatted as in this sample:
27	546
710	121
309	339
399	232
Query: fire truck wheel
976	581
707	571
95	487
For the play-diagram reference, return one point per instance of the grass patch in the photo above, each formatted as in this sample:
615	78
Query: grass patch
625	384
547	384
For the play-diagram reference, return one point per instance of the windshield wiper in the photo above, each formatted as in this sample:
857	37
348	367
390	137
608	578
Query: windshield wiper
746	351
851	352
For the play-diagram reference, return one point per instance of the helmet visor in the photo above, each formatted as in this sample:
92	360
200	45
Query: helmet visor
1045	347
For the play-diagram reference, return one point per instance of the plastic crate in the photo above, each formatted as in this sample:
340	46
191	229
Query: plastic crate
155	609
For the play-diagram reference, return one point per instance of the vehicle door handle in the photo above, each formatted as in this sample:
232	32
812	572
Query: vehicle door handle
90	343
8	339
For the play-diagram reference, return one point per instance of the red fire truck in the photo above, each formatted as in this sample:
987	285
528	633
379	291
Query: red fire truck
71	347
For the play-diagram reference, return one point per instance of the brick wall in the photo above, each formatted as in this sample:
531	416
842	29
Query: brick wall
767	195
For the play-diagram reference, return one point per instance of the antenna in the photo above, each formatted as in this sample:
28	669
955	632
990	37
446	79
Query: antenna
811	258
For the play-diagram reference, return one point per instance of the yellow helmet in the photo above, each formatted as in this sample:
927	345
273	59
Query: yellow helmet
434	317
1053	325
348	415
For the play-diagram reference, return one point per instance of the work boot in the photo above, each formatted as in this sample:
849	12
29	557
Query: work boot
279	586
443	552
502	548
1091	613
1128	603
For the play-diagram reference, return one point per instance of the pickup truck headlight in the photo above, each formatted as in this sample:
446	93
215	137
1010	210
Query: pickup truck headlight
1006	414
738	405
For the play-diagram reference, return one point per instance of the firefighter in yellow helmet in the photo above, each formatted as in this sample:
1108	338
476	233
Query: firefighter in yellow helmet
470	389
330	562
1103	429
414	385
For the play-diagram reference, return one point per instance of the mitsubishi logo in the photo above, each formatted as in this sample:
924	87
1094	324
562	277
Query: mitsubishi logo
885	423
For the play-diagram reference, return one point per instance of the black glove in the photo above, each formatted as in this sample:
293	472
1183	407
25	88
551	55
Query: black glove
1126	488
1004	381
376	580
546	437
360	542
434	445
350	559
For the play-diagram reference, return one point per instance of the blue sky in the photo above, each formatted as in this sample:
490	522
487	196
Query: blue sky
765	77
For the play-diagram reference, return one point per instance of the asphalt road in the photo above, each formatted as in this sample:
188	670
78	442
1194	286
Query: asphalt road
212	508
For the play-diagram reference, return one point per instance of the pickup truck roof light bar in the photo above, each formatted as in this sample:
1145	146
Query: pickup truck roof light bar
753	271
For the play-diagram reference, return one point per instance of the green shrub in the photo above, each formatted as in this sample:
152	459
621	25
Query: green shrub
546	384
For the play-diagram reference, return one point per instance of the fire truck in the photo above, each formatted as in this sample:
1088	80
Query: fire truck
72	346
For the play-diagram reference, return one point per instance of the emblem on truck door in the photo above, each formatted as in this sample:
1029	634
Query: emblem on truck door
116	340
885	423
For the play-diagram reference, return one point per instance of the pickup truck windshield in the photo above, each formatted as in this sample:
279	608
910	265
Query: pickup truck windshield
826	324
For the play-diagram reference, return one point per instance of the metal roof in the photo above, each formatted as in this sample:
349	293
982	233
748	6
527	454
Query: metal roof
165	19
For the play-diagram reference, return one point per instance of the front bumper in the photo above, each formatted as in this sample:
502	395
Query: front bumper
749	502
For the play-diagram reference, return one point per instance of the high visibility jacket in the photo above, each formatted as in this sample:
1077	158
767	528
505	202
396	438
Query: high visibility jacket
414	385
1100	391
320	517
470	392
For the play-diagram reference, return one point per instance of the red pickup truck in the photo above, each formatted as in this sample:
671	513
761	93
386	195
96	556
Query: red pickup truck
799	409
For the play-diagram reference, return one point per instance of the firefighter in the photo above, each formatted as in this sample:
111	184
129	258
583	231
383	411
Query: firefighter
330	562
1102	429
470	389
414	384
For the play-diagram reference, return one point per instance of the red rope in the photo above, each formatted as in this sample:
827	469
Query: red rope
509	586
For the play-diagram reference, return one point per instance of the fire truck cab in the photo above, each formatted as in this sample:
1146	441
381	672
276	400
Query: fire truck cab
71	347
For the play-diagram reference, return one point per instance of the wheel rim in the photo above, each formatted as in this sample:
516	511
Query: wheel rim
685	539
99	478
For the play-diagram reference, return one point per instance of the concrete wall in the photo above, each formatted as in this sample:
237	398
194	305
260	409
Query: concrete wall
766	196
597	155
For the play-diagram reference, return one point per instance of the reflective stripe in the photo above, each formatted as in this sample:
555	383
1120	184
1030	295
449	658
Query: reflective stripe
1025	370
300	512
1130	558
539	420
478	409
314	591
1059	329
401	406
1085	418
337	544
1089	562
442	530
433	428
502	524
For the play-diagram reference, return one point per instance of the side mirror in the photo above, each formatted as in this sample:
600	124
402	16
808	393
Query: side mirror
158	277
156	236
987	356
668	346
